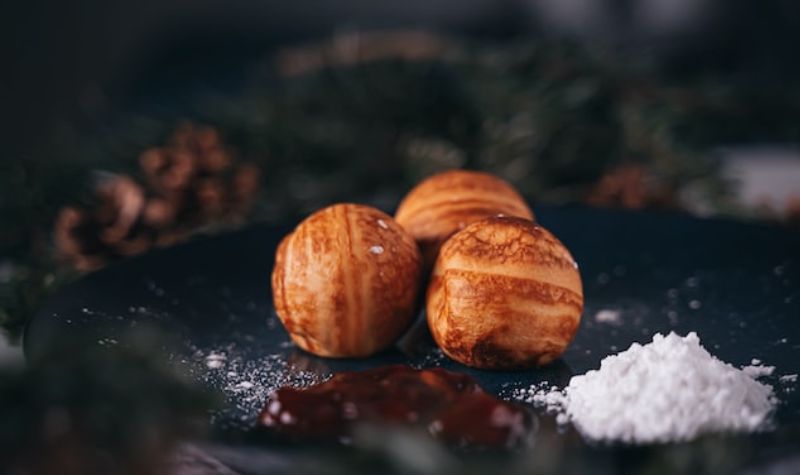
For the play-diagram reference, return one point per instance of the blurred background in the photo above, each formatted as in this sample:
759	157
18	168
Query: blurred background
130	126
134	125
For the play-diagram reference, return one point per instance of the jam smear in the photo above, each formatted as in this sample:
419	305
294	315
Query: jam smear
450	406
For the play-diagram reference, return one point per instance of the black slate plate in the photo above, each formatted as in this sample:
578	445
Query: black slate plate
736	285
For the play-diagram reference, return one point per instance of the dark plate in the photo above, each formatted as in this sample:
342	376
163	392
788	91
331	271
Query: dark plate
736	285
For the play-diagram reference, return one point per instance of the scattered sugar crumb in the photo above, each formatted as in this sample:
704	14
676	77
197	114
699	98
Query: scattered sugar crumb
244	385
757	371
376	249
672	315
247	381
695	304
215	360
673	293
383	224
788	378
755	362
608	316
433	358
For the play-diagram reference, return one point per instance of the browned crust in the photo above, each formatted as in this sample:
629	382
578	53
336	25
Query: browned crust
437	188
509	240
505	293
345	281
449	201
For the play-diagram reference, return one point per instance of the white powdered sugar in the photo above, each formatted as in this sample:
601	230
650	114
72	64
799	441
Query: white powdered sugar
245	380
215	360
608	316
671	389
789	378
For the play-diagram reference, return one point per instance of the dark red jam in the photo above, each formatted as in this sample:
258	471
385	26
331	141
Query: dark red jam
450	406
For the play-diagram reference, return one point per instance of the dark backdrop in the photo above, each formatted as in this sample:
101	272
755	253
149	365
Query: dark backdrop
69	64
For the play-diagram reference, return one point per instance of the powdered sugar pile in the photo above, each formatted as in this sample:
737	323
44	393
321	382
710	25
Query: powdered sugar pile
671	389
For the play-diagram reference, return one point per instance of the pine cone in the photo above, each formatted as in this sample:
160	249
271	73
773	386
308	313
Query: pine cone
629	186
190	182
76	239
121	201
167	170
793	209
89	239
194	179
243	189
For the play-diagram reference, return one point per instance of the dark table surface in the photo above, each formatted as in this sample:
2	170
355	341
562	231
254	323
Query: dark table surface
736	285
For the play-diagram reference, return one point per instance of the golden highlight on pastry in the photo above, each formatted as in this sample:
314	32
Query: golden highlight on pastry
505	293
345	281
447	202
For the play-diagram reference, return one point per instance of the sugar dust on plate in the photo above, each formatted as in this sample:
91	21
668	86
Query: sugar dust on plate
246	382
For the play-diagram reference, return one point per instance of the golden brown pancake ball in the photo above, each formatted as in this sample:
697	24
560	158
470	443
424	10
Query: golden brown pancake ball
504	294
449	201
345	281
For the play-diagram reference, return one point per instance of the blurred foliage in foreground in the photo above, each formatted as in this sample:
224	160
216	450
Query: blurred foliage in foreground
363	117
85	409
